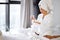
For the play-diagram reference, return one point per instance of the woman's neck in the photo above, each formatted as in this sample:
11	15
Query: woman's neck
44	15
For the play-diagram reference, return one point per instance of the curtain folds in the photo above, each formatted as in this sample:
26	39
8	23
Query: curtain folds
25	13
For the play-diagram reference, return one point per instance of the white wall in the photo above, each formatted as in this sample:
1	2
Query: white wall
15	0
56	4
3	0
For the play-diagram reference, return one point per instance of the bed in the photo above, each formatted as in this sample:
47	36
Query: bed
15	35
21	34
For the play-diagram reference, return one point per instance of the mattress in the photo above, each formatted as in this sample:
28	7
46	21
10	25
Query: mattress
15	35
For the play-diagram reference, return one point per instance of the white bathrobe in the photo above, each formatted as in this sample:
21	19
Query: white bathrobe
45	28
45	25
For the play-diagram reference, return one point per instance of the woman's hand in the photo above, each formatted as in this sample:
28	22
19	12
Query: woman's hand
35	21
33	18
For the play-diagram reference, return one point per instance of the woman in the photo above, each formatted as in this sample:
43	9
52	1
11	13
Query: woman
46	15
43	25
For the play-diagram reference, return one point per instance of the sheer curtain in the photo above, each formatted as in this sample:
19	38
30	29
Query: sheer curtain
25	13
15	16
2	17
3	1
3	14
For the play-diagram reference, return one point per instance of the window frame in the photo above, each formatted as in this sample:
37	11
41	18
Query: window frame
8	12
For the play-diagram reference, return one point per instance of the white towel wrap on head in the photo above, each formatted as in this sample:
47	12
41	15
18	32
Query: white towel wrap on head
46	5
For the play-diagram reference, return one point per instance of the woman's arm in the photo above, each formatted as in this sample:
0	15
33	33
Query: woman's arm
36	21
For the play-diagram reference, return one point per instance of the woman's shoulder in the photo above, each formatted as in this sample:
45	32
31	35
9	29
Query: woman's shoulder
40	15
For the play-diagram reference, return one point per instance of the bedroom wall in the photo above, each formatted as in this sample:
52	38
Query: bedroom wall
15	0
56	4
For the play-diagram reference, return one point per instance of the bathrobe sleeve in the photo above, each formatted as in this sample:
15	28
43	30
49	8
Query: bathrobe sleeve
40	18
48	20
47	24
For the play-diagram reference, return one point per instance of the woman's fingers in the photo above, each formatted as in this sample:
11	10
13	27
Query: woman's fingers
33	18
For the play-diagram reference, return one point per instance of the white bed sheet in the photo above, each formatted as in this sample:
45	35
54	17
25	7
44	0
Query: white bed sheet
21	34
15	35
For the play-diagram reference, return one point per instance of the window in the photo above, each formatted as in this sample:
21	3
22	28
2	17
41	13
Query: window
2	16
9	14
15	15
3	1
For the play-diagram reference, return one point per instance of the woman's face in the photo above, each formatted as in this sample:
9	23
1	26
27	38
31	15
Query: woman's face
43	11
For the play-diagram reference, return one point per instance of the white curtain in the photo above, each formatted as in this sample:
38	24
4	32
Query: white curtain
15	0
2	16
25	13
4	1
15	16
